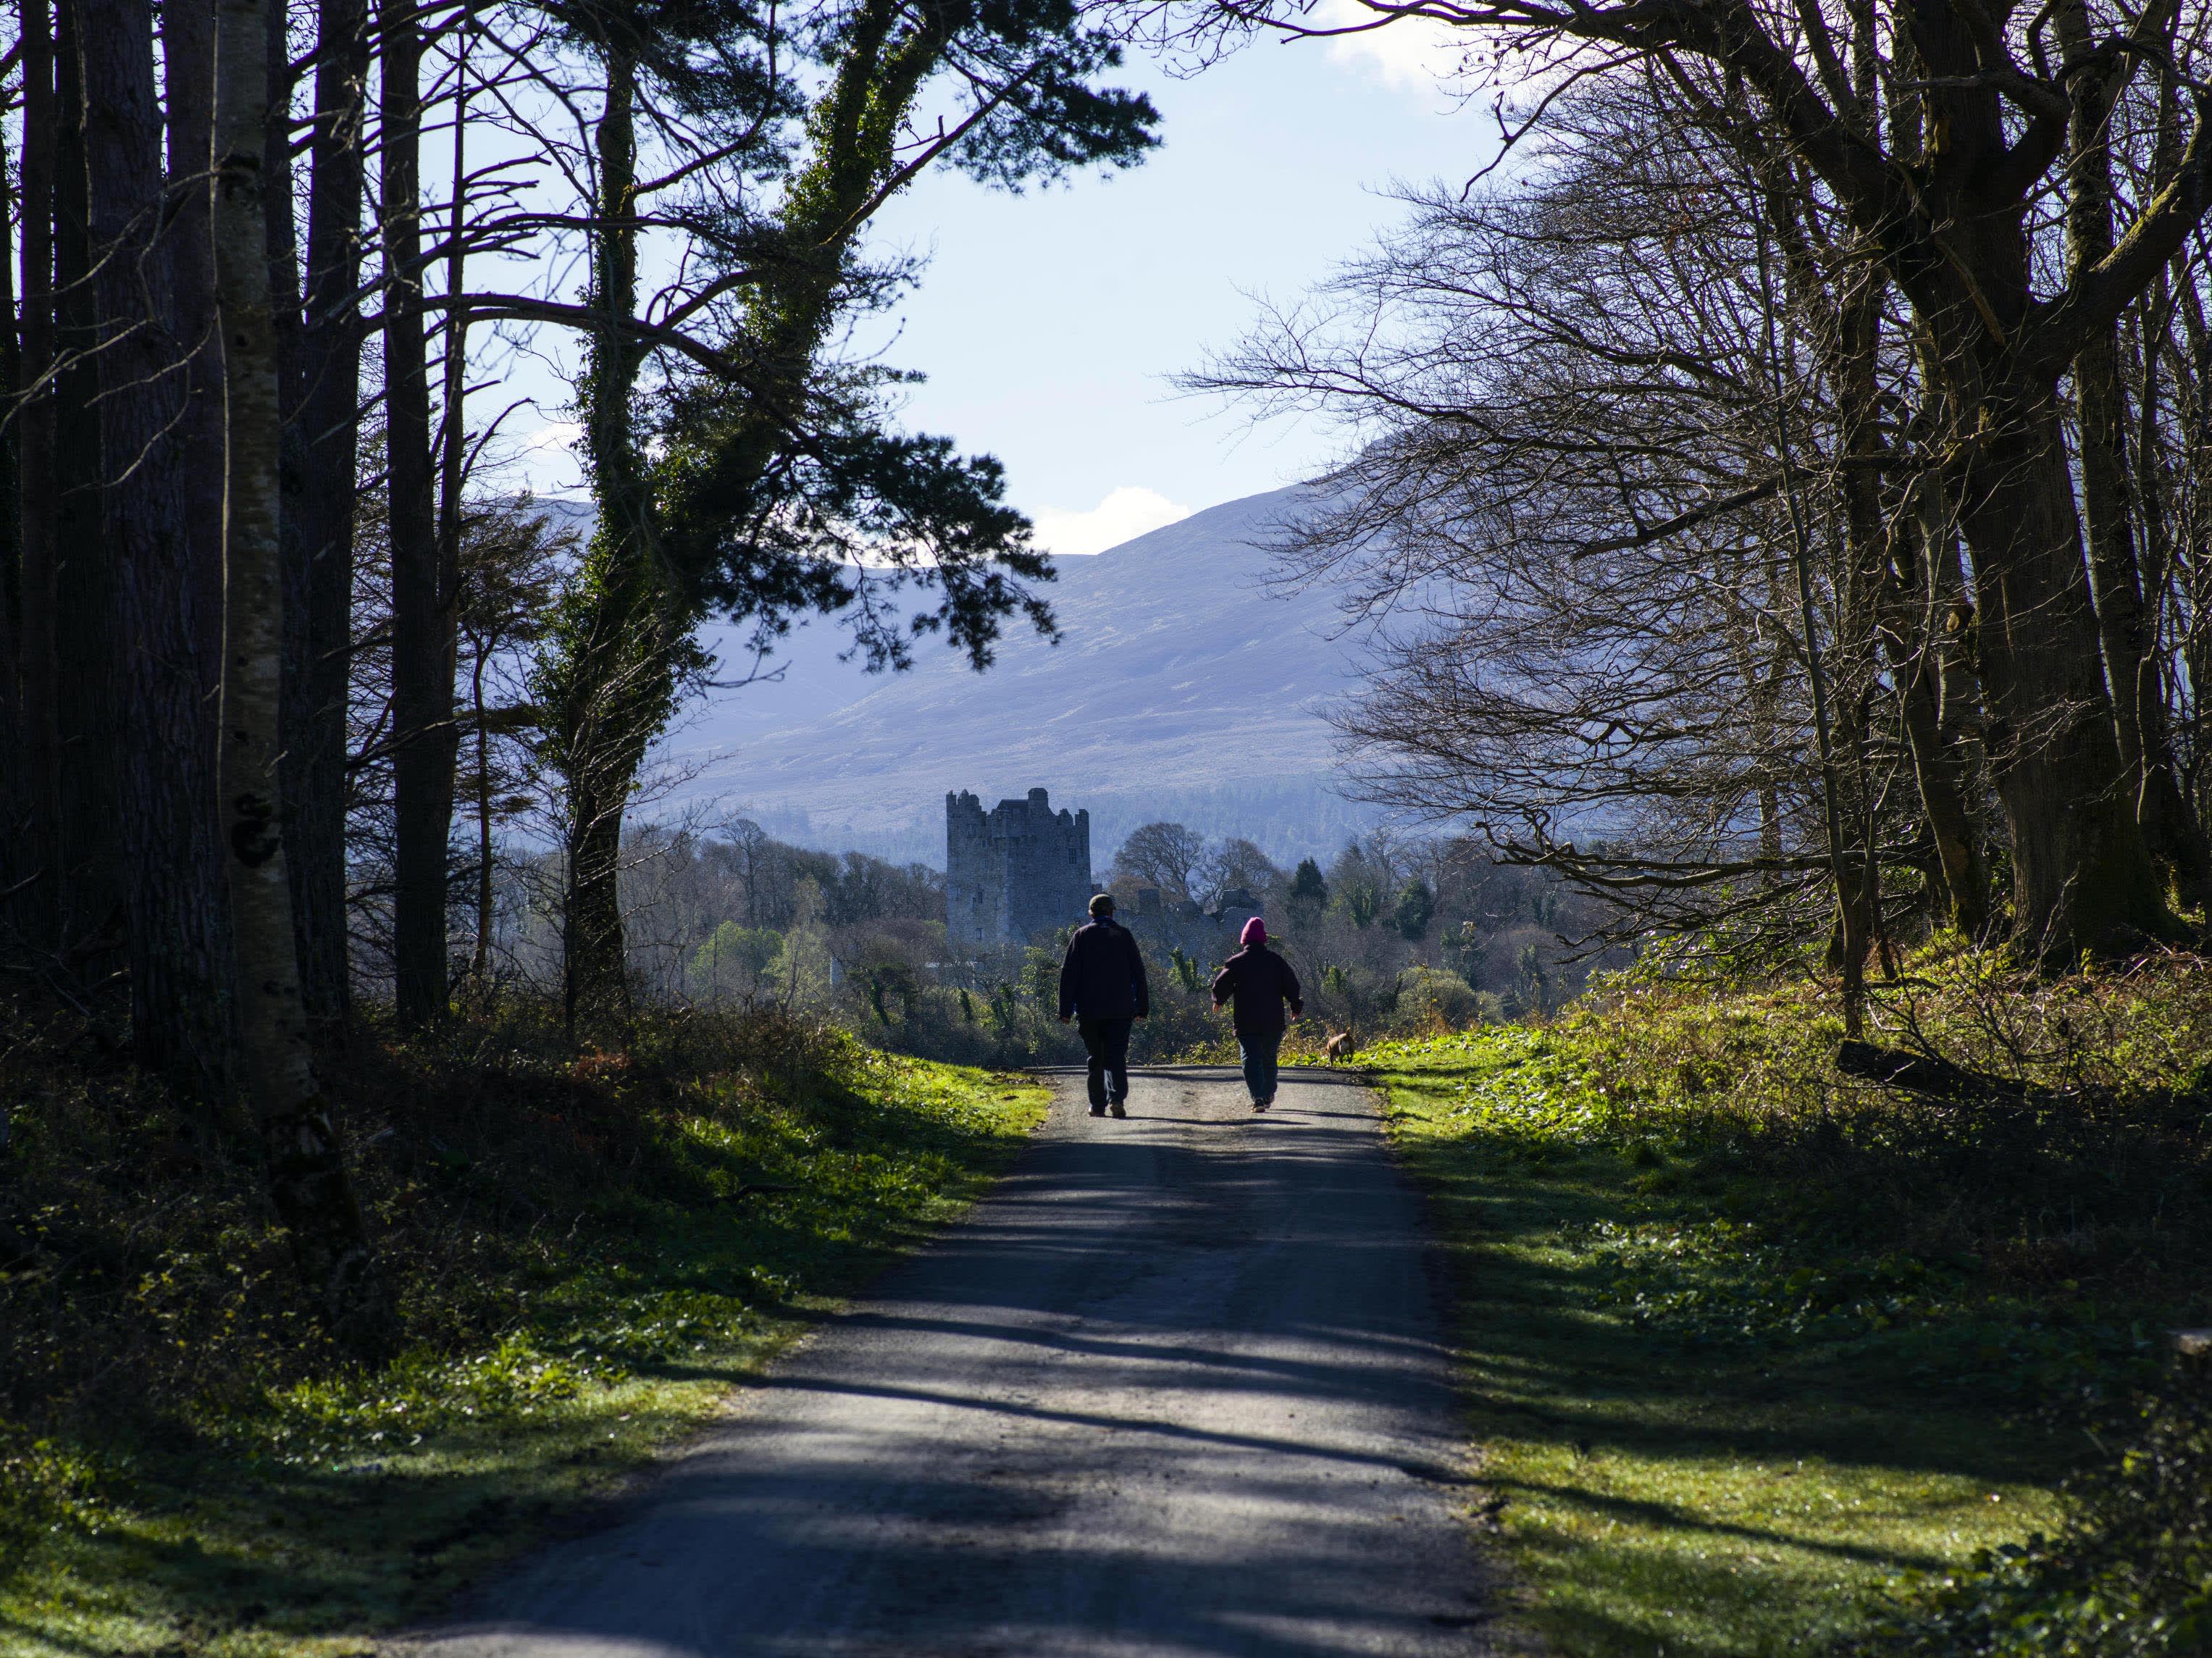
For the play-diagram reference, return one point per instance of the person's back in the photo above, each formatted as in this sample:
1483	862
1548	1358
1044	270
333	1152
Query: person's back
1259	986
1103	988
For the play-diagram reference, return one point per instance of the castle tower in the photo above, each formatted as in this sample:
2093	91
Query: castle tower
1014	871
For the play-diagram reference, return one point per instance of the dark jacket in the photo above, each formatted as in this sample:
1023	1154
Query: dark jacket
1259	982
1104	976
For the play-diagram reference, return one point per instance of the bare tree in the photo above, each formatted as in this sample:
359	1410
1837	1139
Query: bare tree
1164	855
1956	116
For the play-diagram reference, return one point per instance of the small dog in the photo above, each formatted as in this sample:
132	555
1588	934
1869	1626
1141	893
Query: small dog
1339	1046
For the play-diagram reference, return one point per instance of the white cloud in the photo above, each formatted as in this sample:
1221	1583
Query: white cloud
561	435
1411	54
1127	511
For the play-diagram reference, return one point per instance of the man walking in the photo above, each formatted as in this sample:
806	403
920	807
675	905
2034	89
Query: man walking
1259	982
1102	988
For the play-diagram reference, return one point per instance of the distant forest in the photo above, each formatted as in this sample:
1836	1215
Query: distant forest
1390	932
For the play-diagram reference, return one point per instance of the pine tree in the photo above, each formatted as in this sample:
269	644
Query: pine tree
1309	896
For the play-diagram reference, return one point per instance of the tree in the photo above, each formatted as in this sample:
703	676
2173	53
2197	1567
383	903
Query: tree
1411	914
1614	443
778	469
306	1170
164	602
506	560
424	738
32	781
1359	886
1238	864
1164	855
1307	895
1950	115
322	454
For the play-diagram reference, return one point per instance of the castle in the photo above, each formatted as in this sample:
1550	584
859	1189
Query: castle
1014	871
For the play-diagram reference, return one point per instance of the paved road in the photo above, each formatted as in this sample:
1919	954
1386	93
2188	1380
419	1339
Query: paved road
1175	1388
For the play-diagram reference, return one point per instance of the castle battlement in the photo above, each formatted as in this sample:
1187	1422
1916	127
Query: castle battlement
1013	871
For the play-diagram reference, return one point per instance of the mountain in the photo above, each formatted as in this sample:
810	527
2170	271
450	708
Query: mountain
1181	688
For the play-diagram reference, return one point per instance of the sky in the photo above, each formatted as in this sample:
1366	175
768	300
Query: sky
1049	325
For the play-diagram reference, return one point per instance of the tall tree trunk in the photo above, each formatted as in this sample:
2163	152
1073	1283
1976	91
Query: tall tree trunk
1865	569
480	963
2146	746
293	709
188	75
451	469
2082	876
179	944
88	694
616	632
321	484
306	1159
14	794
38	906
1918	625
422	679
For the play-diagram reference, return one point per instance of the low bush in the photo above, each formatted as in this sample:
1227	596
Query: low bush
2127	1575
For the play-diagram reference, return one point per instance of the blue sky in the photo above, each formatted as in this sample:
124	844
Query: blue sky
1049	324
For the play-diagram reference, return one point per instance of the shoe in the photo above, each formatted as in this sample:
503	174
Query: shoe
1098	1111
1115	1109
1262	1105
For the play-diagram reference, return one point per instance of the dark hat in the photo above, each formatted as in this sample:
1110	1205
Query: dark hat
1102	903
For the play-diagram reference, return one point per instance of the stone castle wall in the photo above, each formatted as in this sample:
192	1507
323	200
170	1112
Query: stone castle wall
1014	871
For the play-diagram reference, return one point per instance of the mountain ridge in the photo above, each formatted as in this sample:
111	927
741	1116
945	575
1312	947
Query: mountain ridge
1184	685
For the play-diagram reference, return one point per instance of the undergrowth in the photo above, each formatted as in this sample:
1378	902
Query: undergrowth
1763	1359
587	1252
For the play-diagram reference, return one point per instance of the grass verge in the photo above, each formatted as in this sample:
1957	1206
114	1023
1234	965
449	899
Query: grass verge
590	1254
1753	1356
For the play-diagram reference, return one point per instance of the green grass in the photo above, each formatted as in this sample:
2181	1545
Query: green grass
1713	1414
337	1502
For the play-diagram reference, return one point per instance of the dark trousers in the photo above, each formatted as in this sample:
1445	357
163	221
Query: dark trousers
1107	1042
1257	1049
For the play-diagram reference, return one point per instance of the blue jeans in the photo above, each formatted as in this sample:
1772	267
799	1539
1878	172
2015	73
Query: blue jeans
1258	1050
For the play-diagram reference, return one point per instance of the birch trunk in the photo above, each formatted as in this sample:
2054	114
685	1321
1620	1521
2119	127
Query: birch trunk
305	1163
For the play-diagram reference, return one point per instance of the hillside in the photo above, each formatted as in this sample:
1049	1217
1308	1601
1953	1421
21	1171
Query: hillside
1181	688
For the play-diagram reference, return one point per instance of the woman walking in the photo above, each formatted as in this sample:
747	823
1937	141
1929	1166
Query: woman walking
1260	983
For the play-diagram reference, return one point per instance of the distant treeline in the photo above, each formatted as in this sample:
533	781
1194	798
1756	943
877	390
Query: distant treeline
1391	931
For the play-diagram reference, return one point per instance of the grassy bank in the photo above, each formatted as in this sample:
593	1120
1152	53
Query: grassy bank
589	1254
1755	1354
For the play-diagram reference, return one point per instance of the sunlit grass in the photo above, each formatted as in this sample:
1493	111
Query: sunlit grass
1664	1481
344	1505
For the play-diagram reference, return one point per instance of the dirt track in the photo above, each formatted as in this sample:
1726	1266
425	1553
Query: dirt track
1175	1388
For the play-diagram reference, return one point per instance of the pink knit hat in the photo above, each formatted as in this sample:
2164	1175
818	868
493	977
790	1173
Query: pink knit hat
1255	932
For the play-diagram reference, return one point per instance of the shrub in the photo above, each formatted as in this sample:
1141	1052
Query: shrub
2130	1575
1429	996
